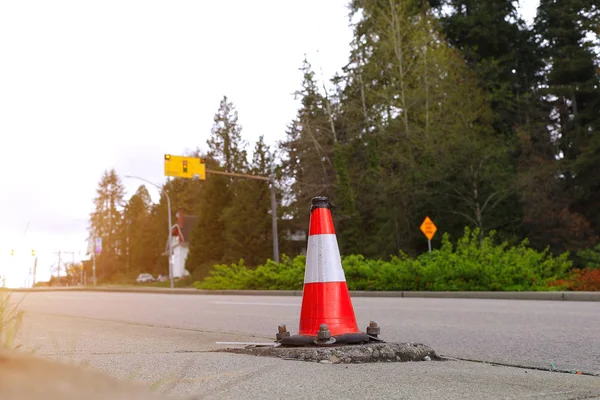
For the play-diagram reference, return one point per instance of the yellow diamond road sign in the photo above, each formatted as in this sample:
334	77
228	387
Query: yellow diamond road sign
184	167
428	228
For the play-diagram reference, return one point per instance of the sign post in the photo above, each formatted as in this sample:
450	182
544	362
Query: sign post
428	228
97	250
34	270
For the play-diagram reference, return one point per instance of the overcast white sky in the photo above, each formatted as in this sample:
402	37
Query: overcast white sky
91	85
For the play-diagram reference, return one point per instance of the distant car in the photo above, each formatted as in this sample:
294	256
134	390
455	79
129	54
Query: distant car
144	278
161	278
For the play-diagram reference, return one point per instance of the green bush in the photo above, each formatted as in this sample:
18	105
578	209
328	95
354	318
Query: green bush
472	264
479	265
590	258
286	275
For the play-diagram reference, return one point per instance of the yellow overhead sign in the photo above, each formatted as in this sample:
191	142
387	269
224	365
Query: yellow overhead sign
185	167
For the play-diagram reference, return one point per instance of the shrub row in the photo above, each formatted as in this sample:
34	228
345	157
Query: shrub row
587	279
473	263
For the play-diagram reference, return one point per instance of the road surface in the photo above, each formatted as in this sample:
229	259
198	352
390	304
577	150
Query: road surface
155	335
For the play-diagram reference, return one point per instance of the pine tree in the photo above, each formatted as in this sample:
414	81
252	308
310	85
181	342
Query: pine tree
106	222
309	153
502	51
248	220
226	152
225	143
573	96
140	251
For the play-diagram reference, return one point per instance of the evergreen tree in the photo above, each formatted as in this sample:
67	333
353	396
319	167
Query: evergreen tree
226	152
248	228
106	222
573	94
225	143
501	49
309	152
140	252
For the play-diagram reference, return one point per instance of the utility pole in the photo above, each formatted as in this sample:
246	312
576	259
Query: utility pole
72	253
94	267
58	266
34	271
80	269
274	216
94	247
271	180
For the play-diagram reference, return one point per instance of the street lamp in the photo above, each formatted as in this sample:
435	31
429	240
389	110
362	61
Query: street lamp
170	226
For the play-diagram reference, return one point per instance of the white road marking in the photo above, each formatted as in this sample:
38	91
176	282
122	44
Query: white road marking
245	303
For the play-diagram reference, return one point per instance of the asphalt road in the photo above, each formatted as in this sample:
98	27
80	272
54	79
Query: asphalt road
536	334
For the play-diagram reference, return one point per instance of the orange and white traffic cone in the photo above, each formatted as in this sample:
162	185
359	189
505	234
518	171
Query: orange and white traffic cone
327	314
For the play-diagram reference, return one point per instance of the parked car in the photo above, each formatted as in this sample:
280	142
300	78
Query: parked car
144	278
161	278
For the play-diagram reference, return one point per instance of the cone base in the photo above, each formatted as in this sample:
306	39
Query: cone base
345	339
327	303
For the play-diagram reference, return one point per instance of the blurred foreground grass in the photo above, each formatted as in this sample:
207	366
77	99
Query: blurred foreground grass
10	320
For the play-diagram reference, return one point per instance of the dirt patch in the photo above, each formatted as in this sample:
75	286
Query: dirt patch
357	354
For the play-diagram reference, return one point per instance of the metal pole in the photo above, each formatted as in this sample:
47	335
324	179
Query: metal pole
170	238
429	242
94	264
274	218
72	253
34	271
236	175
271	180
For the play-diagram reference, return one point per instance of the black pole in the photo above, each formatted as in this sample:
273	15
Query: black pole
274	218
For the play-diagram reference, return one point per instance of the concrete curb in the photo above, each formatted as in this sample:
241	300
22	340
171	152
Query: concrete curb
552	296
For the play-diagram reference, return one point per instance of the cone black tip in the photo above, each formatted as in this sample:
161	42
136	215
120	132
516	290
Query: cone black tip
320	202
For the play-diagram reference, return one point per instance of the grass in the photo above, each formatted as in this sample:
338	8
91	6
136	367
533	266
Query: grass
10	320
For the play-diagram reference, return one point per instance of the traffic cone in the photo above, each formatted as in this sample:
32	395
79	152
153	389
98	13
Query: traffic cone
325	296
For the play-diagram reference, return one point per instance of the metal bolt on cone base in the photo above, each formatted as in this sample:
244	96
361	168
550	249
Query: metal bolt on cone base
282	332
373	329
324	336
324	333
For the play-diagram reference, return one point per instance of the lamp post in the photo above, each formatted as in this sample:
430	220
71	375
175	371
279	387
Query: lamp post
170	223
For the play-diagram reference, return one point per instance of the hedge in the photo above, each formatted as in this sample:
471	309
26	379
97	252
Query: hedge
471	264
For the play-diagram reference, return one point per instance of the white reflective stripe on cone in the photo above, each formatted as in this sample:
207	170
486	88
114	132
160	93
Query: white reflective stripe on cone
323	263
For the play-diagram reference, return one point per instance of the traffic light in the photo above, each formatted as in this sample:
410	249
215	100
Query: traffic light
12	252
33	253
185	169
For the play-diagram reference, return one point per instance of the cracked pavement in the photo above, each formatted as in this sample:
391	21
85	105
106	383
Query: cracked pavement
176	358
